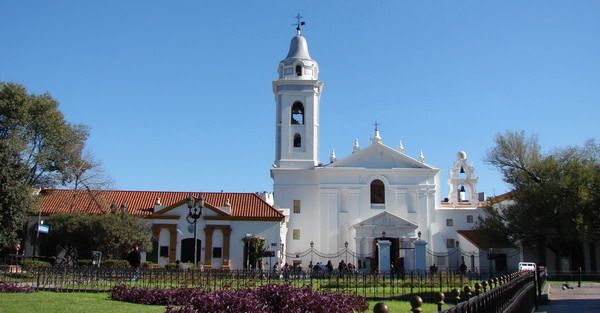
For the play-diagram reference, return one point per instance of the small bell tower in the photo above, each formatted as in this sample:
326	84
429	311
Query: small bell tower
462	182
297	98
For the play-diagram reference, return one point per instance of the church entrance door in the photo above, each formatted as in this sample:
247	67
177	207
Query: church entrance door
397	262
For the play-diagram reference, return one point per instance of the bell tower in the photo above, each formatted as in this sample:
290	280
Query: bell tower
297	97
462	182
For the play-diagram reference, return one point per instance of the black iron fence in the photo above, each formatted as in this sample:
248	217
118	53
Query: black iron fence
370	285
514	293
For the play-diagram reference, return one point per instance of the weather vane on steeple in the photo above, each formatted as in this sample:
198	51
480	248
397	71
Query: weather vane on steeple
298	17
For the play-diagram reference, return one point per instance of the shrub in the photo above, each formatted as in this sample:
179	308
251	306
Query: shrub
35	263
83	262
114	263
10	287
267	298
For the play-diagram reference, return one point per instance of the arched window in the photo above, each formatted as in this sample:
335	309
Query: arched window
377	192
297	141
298	70
298	113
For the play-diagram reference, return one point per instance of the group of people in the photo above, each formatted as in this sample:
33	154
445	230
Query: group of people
342	267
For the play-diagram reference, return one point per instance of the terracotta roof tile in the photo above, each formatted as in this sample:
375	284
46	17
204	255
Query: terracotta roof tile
141	203
483	241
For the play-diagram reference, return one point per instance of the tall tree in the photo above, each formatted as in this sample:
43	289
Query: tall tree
34	127
555	202
15	198
42	149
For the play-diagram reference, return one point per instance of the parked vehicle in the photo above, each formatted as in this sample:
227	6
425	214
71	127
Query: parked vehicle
527	266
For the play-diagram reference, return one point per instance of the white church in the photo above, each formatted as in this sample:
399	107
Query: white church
375	208
377	198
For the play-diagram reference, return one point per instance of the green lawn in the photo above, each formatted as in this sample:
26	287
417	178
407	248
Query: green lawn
53	302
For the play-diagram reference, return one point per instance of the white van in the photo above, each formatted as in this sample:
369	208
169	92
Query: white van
527	266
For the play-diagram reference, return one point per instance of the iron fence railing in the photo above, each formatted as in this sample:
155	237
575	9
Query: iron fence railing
513	293
370	285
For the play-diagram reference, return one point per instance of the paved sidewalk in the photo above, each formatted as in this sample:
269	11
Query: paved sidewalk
579	300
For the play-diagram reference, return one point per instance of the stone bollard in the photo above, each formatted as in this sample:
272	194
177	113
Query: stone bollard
455	295
484	285
467	291
416	302
478	288
381	308
439	297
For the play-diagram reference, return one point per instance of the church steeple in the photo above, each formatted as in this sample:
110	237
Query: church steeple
462	182
297	96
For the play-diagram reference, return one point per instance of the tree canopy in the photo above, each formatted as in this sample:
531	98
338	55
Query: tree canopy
39	149
33	126
556	195
14	196
78	234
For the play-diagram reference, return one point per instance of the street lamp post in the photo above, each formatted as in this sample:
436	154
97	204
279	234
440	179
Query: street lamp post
346	245
457	254
312	244
195	212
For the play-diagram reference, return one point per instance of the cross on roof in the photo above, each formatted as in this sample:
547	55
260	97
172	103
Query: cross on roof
298	17
376	124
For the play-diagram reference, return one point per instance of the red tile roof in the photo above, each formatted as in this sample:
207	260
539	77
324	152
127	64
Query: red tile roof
483	241
141	203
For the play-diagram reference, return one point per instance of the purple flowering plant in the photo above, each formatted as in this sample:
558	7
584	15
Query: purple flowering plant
267	298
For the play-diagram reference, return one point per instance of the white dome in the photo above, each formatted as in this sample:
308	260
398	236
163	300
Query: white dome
461	155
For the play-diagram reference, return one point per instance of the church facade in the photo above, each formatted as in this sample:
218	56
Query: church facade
377	194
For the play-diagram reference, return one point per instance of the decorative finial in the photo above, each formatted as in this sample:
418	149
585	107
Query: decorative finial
298	24
356	146
401	147
332	157
377	137
421	157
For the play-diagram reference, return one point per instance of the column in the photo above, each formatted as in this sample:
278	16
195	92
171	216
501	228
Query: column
226	243
420	260
384	256
208	232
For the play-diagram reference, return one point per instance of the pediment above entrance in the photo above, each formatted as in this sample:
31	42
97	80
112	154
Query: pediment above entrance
385	220
379	155
180	209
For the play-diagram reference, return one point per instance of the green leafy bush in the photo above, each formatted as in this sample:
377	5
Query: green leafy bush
35	263
114	263
171	266
83	262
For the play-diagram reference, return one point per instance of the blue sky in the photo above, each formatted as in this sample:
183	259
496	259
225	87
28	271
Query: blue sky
178	93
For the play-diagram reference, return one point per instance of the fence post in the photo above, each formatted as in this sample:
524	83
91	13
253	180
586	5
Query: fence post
467	291
438	297
416	302
381	308
477	289
38	278
455	295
